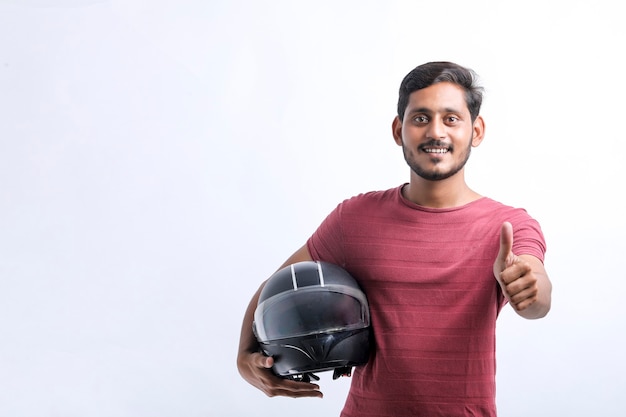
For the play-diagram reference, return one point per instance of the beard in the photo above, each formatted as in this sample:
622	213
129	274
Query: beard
436	175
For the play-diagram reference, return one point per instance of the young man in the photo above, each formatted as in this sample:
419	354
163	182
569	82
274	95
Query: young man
436	260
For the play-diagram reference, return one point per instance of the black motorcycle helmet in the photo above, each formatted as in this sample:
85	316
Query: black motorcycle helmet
312	317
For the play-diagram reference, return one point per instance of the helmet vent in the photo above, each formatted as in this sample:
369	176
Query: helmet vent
318	348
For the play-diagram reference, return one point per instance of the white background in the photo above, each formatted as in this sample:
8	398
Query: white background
159	159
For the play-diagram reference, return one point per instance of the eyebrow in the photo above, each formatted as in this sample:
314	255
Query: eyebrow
430	111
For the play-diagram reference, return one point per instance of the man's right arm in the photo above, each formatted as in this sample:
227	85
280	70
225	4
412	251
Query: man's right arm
255	367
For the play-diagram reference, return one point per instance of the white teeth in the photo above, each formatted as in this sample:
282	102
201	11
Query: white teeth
438	150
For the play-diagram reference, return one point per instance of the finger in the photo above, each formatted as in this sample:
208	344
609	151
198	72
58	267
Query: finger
521	290
513	273
524	299
289	388
506	242
299	389
296	394
261	361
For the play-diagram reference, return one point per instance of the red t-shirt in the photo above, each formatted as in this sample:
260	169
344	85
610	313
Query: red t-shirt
428	277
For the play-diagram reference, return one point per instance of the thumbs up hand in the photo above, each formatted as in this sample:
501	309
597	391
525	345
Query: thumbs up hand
515	274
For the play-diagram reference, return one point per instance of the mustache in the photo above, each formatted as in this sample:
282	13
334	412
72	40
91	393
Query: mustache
436	143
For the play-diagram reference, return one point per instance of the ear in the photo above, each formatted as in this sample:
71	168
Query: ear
479	131
396	130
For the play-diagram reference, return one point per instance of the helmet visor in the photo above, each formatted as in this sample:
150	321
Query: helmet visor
309	311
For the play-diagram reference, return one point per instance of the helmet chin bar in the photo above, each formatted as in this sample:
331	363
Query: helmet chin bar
319	353
308	376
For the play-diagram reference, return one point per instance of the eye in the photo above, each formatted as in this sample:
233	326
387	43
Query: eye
452	119
421	119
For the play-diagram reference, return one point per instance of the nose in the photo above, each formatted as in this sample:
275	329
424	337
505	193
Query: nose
436	128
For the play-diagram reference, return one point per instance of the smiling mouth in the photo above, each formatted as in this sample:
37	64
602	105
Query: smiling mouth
436	150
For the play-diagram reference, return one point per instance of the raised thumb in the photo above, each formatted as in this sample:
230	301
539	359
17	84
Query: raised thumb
506	242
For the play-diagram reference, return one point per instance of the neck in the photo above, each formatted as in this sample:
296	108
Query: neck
451	192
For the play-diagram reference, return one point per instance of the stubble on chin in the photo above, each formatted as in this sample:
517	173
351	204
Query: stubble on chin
433	175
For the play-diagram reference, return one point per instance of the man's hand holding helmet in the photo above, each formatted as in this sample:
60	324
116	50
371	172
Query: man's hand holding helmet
256	369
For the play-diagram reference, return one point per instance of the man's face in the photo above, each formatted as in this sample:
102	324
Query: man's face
437	132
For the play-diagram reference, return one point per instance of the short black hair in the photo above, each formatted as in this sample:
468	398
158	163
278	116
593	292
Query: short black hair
431	73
